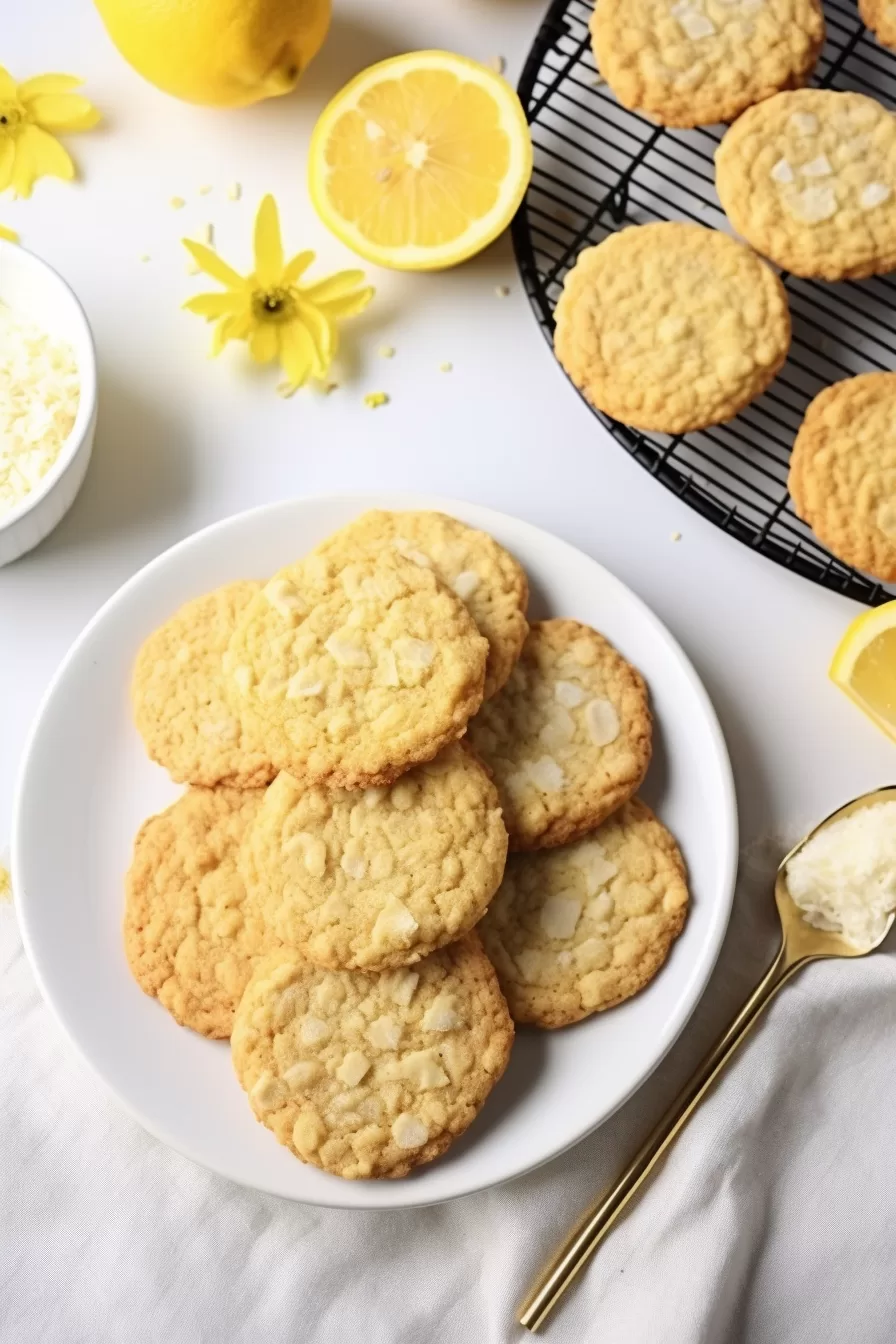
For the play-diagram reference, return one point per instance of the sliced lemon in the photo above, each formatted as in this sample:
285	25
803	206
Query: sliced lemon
864	665
420	161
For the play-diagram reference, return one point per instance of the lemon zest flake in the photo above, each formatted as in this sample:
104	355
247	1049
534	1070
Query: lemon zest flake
375	399
177	202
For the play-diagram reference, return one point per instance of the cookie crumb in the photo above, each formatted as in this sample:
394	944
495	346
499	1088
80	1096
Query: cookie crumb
177	202
498	64
375	399
208	234
386	351
446	366
675	536
204	190
502	291
144	256
234	191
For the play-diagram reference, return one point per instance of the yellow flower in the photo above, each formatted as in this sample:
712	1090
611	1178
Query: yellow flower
9	234
277	317
29	112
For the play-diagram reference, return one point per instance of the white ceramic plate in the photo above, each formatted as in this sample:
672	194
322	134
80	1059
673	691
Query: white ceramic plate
86	786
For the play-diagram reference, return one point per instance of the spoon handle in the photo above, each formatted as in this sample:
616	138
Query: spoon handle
571	1257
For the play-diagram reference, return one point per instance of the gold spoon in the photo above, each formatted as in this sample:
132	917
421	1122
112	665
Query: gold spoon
800	944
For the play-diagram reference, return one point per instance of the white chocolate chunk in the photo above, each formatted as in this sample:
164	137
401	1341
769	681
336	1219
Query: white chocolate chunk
813	204
602	722
531	963
375	794
601	908
353	1068
301	1074
817	167
696	25
384	1033
886	518
560	915
782	171
303	684
227	730
559	730
408	550
387	669
267	1094
243	678
568	694
421	1069
353	863
409	1132
545	774
285	598
403	985
564	958
394	923
347	652
875	193
441	1015
803	123
313	1030
466	584
415	652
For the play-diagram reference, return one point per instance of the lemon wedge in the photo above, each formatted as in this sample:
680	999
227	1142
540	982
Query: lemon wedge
864	665
421	161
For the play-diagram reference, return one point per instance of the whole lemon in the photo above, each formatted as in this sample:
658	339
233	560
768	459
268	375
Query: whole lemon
225	53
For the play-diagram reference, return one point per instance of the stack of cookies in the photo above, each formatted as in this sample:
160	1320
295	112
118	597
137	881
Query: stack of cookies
365	735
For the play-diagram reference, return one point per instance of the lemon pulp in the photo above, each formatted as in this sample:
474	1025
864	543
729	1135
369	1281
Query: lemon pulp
864	665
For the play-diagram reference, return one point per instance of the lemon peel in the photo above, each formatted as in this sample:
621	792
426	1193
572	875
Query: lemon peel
30	114
278	318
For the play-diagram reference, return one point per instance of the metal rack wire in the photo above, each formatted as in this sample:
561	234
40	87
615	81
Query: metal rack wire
597	167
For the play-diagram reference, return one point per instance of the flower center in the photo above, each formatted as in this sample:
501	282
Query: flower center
12	116
274	305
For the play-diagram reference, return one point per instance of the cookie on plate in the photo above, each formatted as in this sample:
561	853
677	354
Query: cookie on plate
671	327
880	17
695	62
568	739
809	179
189	938
179	701
843	471
352	674
371	1075
575	930
482	573
378	878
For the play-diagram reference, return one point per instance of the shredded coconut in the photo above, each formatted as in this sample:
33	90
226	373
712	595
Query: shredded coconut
844	878
39	390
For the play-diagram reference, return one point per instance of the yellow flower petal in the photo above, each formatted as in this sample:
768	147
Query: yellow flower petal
335	286
209	261
348	306
37	154
322	333
30	88
268	245
213	305
63	111
8	86
234	328
7	157
9	234
297	354
296	266
263	343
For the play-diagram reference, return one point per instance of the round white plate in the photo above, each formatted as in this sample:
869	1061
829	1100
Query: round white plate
86	785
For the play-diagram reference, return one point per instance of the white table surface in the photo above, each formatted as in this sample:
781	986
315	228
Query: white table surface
183	441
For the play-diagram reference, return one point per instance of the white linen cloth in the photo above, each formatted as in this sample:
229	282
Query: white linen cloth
773	1221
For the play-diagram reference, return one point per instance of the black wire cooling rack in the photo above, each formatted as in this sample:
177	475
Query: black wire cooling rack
598	167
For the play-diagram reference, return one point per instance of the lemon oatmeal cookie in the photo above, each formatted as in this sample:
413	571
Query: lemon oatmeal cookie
352	674
843	471
671	327
189	938
576	930
568	739
377	879
696	62
179	701
809	179
880	17
483	574
371	1075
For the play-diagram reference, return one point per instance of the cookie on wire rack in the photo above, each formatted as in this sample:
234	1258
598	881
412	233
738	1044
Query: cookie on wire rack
671	327
696	62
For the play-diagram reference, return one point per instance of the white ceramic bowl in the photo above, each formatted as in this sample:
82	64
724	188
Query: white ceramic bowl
32	288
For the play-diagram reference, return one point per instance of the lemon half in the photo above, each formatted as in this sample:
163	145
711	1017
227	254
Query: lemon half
864	665
421	161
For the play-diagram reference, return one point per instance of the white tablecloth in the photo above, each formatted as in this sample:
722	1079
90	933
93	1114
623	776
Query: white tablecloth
773	1221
